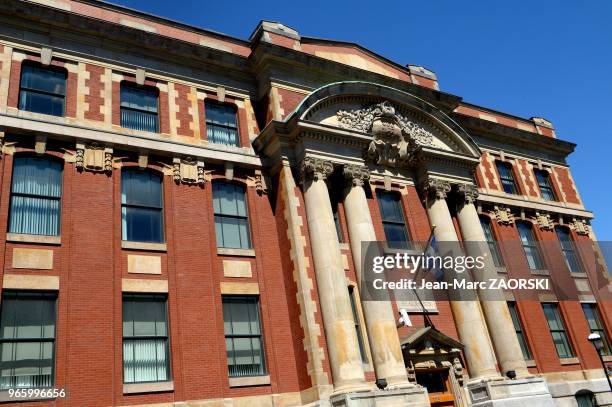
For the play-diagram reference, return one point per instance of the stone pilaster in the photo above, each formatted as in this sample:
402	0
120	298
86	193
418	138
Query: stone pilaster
467	314
495	310
380	322
343	346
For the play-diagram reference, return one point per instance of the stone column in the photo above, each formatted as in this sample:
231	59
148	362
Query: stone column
467	313
343	345
380	322
499	321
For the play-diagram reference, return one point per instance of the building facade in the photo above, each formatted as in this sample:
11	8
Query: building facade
185	211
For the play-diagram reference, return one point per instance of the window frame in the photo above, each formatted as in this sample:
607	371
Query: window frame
569	246
51	68
545	184
49	159
600	329
403	223
510	178
41	294
492	243
134	169
256	300
146	297
519	330
562	332
209	124
533	245
356	316
220	240
140	88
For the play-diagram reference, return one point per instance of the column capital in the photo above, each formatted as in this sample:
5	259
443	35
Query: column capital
313	169
435	188
356	175
468	193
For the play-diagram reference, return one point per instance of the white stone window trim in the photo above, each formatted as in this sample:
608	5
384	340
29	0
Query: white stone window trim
247	381
148	387
154	247
40	239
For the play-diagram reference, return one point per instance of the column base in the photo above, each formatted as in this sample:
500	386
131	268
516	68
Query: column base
524	392
415	396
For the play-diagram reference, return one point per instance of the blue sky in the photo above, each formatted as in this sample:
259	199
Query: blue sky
544	58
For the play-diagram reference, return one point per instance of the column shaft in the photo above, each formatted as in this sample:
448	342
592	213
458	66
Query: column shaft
380	322
497	315
467	314
343	345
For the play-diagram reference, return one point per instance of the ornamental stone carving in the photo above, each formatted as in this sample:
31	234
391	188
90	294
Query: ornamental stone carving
258	182
315	169
395	137
94	157
503	215
356	175
469	193
544	221
434	188
189	171
580	227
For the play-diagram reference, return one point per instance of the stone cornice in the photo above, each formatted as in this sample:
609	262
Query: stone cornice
485	198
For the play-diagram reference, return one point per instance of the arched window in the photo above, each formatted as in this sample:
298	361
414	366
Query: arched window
530	246
569	249
141	206
585	398
139	107
42	89
36	193
231	216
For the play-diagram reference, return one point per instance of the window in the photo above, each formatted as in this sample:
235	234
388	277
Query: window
393	219
42	90
592	316
569	250
545	186
231	217
557	330
337	223
146	355
27	340
221	124
491	242
507	178
519	330
139	107
141	206
243	338
530	246
585	398
36	193
364	357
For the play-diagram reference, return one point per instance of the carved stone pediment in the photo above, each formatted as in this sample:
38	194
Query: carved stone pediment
395	138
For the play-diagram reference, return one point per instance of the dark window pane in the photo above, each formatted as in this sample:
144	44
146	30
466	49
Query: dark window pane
392	215
557	330
491	242
519	330
364	357
530	246
507	177
231	217
41	103
146	356
139	108
141	206
595	325
545	186
243	337
28	340
569	250
221	125
42	90
36	189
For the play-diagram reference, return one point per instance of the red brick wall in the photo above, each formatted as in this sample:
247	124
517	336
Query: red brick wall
566	184
527	177
183	105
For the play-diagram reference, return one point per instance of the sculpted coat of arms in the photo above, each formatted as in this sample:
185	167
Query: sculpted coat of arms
395	138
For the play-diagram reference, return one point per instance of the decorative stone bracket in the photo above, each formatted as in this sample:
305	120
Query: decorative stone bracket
258	182
503	215
580	227
94	157
544	221
189	171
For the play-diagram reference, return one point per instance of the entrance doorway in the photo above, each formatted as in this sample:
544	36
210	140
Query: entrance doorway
438	385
